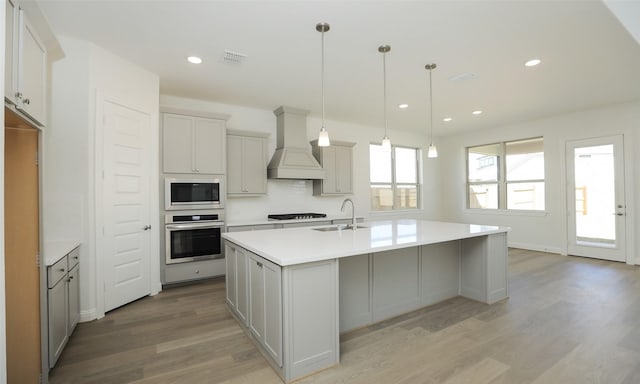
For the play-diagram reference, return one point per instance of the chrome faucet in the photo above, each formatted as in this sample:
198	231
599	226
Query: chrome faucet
353	212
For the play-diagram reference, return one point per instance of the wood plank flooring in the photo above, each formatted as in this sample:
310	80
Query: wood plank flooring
567	320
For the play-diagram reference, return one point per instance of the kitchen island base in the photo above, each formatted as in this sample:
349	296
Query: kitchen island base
295	316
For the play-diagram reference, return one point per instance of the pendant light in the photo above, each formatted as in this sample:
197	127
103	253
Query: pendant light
323	136
433	151
386	143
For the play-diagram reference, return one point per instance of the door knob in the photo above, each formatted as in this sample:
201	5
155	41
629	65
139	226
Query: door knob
147	227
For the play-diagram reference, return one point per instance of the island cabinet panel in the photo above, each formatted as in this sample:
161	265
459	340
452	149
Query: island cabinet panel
440	265
497	254
231	277
483	268
265	305
256	298
310	317
355	292
242	285
397	282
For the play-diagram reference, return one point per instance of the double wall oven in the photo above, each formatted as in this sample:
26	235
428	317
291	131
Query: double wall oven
194	219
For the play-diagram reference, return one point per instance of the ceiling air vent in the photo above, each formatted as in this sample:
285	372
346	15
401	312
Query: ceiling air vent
231	57
462	76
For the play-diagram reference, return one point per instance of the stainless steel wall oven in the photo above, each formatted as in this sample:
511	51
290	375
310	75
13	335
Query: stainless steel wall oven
193	237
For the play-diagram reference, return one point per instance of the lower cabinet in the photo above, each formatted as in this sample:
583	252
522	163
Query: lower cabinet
254	294
74	298
265	304
63	298
193	270
58	314
236	281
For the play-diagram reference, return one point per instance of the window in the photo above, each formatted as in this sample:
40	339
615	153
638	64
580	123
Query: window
394	178
508	175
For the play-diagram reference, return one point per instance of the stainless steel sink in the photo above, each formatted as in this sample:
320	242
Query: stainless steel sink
338	227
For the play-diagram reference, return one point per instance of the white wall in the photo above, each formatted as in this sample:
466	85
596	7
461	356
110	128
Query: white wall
86	73
546	231
3	326
286	196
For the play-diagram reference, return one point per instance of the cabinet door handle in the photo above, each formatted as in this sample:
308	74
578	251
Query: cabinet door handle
26	101
19	95
70	278
146	227
259	264
61	270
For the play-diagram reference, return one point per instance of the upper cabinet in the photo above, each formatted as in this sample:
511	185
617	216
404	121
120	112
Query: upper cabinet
246	163
337	162
25	65
193	144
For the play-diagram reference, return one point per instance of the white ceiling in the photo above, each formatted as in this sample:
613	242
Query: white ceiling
588	58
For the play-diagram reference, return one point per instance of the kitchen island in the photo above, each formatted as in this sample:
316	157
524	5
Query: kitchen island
295	290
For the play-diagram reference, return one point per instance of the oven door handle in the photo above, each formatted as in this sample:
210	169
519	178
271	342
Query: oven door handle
194	226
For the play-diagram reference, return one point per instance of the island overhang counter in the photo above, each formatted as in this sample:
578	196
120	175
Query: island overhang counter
295	290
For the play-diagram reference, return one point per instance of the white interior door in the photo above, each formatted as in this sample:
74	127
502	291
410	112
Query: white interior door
126	238
595	198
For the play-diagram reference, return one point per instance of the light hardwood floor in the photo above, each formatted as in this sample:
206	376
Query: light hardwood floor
567	320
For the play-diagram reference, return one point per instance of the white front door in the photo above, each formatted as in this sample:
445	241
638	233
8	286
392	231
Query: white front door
125	205
595	198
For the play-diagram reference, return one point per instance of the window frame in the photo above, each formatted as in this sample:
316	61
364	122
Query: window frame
394	184
502	184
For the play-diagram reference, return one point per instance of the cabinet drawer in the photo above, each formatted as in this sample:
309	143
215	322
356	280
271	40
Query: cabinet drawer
72	258
56	272
194	270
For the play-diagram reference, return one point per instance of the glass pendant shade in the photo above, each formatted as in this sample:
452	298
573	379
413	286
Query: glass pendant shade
323	138
433	151
386	144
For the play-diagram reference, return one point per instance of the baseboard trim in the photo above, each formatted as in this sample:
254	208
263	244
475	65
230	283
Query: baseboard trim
88	315
535	247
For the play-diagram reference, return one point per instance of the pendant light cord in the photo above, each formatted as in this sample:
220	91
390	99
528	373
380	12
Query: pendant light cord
430	107
384	74
322	75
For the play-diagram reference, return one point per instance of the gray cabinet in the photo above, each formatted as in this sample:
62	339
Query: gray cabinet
265	305
63	302
58	304
246	163
292	308
74	298
194	270
25	65
9	57
193	144
337	162
236	281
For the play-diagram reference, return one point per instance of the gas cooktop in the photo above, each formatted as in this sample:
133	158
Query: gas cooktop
296	216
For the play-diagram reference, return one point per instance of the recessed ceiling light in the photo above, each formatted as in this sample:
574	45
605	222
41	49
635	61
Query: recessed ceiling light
194	59
477	112
532	62
447	119
403	106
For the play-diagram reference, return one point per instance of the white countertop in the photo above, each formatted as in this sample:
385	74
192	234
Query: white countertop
55	250
304	245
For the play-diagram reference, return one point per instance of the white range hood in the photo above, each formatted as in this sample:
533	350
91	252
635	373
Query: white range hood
293	158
